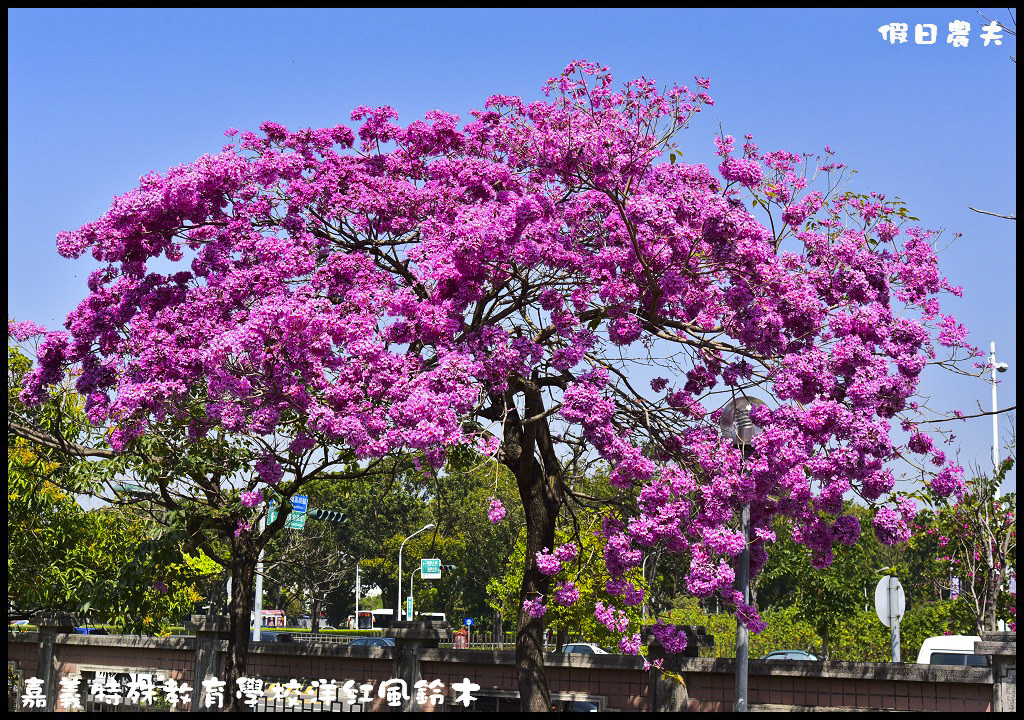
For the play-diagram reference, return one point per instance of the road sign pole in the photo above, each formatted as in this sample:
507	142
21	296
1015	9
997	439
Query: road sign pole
257	604
890	604
894	618
357	596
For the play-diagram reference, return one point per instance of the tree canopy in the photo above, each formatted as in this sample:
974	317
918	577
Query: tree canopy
339	296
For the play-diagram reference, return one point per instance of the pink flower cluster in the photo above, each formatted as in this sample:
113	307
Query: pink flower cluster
630	644
567	594
614	620
671	637
567	553
534	608
547	563
251	499
496	512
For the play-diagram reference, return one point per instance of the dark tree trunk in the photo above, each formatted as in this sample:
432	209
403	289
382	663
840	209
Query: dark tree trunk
541	513
315	617
243	574
529	454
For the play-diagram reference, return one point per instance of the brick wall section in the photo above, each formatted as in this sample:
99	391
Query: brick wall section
22	648
620	680
173	655
783	685
312	661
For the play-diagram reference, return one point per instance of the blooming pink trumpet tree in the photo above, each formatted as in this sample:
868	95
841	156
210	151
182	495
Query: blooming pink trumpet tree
539	282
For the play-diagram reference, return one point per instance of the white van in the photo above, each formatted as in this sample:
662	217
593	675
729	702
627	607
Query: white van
951	650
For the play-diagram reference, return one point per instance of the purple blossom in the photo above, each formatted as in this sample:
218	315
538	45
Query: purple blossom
547	563
671	637
567	552
24	329
269	470
496	512
567	594
301	444
746	172
614	620
950	480
630	644
890	527
252	499
534	608
847	530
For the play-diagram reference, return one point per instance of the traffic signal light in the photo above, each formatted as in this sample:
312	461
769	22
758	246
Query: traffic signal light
331	516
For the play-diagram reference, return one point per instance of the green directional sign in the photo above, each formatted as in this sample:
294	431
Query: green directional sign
430	568
296	518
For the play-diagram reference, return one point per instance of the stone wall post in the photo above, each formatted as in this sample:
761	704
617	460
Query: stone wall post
411	637
211	636
1001	649
667	693
46	661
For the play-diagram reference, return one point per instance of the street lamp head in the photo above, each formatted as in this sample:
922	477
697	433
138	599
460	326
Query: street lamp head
1002	367
735	421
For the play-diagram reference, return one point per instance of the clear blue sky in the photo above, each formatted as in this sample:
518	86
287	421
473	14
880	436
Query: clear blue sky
97	98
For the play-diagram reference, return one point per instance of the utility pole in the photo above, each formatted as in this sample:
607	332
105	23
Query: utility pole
995	367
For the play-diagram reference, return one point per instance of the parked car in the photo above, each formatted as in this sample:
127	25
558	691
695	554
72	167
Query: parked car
372	642
951	650
575	706
789	655
585	649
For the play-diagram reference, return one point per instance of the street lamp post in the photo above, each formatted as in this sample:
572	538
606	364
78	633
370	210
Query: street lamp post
643	573
398	607
995	367
738	427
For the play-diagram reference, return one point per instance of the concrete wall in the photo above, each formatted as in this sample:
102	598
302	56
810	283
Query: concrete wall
796	685
614	682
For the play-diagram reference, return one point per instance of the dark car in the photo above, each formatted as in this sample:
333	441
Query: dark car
372	642
789	655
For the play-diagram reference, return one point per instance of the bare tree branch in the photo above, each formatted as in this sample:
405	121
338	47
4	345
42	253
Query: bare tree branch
966	417
57	442
986	212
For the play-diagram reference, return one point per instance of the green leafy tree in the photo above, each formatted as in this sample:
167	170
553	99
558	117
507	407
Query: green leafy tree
380	512
588	575
977	543
62	558
826	598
